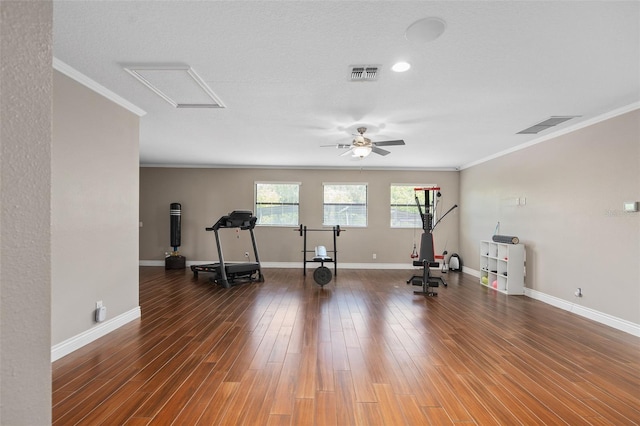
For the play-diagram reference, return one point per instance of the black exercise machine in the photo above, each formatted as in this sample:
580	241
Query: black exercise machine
230	273
426	260
427	256
322	274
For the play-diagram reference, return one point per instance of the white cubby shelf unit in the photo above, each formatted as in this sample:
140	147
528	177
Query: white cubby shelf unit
502	267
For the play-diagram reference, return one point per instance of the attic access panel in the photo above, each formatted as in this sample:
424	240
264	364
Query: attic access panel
178	84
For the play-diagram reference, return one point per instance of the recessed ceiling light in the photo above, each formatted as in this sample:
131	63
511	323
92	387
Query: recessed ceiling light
401	66
425	30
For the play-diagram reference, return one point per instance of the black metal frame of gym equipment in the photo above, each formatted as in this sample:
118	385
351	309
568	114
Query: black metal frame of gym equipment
227	273
427	281
322	274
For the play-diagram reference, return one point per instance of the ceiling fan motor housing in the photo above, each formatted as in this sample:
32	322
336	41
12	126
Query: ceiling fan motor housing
361	141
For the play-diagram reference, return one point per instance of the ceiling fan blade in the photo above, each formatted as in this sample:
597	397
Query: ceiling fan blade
389	143
337	145
379	151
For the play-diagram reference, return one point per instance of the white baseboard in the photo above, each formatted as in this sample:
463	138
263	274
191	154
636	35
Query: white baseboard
153	263
76	342
471	271
592	314
295	265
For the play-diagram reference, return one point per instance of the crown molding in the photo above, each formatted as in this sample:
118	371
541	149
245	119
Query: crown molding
76	75
602	117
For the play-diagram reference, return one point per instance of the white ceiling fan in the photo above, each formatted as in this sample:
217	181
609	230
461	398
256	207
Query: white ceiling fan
362	146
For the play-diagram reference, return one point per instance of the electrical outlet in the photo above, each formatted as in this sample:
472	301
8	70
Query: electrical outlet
99	304
246	254
578	292
375	256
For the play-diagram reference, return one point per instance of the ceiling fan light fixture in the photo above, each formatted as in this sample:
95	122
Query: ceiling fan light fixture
401	66
361	151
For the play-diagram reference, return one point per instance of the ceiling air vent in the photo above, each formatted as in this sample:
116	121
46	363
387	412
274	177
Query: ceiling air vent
544	125
364	73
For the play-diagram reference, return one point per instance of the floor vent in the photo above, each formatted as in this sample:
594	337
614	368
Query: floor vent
544	125
364	73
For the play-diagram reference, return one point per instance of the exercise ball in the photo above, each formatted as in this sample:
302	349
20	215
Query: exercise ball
494	284
485	280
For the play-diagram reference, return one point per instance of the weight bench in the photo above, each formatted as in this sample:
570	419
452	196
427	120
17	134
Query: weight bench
426	260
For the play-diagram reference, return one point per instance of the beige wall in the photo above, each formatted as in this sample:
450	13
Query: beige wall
25	183
208	194
94	201
573	223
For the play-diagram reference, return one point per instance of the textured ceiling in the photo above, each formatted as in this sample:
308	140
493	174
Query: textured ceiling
281	68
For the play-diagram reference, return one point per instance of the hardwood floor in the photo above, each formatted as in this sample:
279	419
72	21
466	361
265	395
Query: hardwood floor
362	351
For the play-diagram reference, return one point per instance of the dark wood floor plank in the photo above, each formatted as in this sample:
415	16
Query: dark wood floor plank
361	377
339	357
412	411
219	404
286	385
166	388
324	368
437	416
279	420
261	395
183	394
368	413
306	380
237	407
361	350
520	392
326	408
605	403
415	383
345	398
389	408
303	412
125	411
195	407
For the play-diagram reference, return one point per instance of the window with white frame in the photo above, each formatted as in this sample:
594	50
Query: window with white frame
345	204
404	210
277	204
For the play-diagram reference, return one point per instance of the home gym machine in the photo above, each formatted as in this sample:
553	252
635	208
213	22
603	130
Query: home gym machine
427	257
322	274
225	273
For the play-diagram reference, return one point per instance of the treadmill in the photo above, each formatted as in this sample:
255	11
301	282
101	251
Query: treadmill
228	274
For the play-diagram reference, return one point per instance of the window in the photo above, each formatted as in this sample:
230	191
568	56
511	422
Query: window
277	204
345	204
404	211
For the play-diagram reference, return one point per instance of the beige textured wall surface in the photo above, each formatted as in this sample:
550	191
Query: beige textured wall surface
94	208
208	194
25	183
573	224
